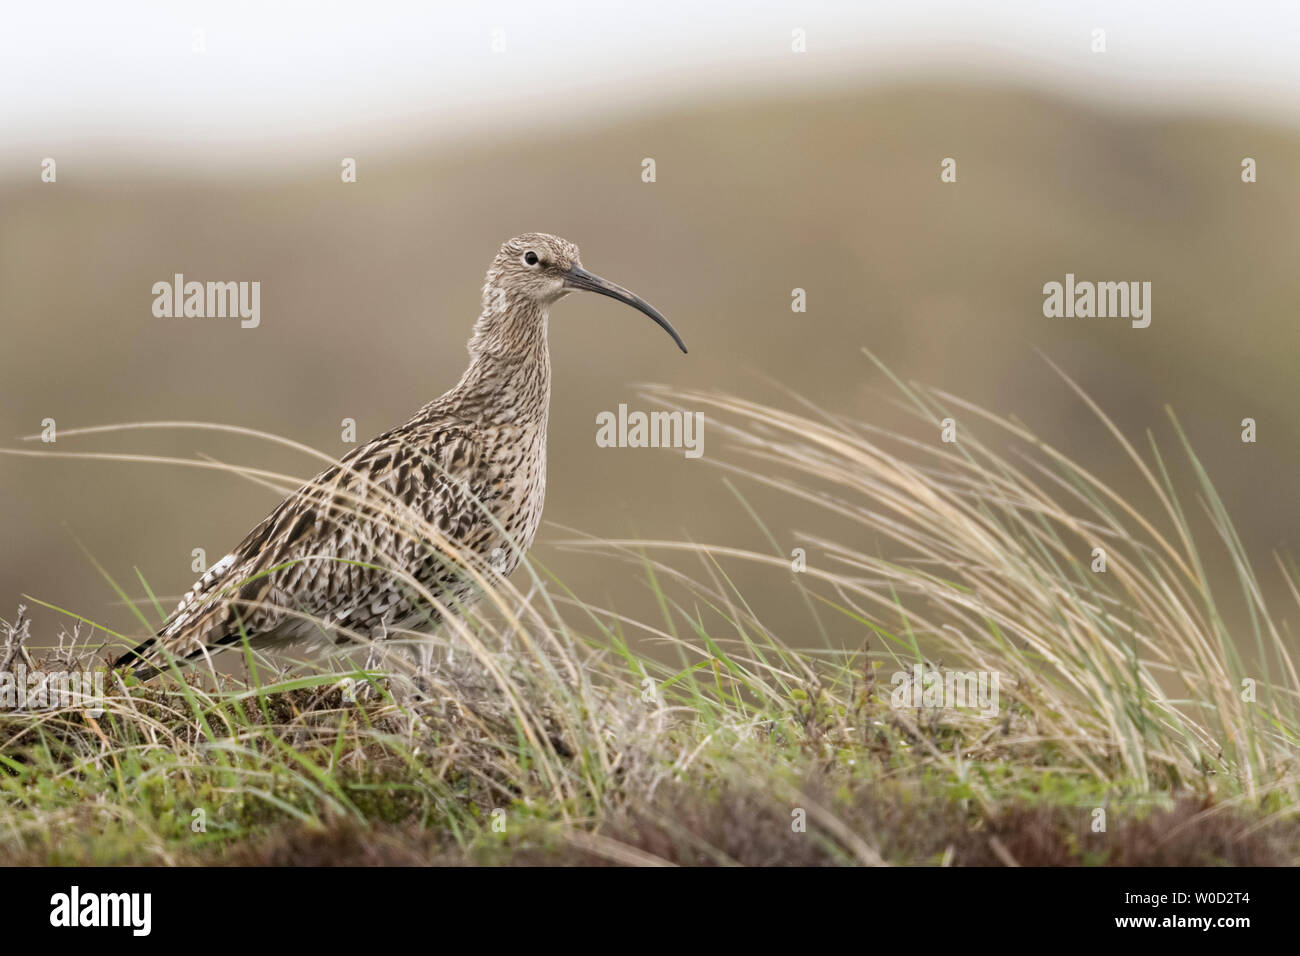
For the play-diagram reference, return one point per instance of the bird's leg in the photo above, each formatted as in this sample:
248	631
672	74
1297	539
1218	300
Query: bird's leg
374	657
424	654
414	681
422	660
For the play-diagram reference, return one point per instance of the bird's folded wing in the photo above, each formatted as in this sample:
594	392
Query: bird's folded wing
338	542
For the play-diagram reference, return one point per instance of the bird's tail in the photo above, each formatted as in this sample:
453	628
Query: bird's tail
148	659
151	657
146	669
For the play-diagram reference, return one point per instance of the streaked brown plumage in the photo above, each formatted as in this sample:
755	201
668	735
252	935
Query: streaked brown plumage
462	481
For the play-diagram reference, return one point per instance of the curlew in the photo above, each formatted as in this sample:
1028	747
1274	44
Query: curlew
352	550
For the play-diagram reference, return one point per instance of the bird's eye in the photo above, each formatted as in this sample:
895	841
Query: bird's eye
530	258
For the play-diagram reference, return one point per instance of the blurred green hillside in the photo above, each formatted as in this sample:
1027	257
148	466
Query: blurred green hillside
369	291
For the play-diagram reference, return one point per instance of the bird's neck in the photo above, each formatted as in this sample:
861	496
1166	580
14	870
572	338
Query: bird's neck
509	373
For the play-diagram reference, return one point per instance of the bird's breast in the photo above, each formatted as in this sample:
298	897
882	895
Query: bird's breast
516	457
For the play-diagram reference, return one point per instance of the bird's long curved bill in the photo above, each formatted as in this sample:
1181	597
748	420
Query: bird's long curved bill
578	278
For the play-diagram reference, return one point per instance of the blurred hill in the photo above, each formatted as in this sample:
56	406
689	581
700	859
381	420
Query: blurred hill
369	291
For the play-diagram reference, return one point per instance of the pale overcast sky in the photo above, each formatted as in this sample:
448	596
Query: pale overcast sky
124	76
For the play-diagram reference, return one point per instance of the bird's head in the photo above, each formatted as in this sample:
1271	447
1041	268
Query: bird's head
537	269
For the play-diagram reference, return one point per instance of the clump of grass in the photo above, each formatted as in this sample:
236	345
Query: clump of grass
542	729
1132	675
